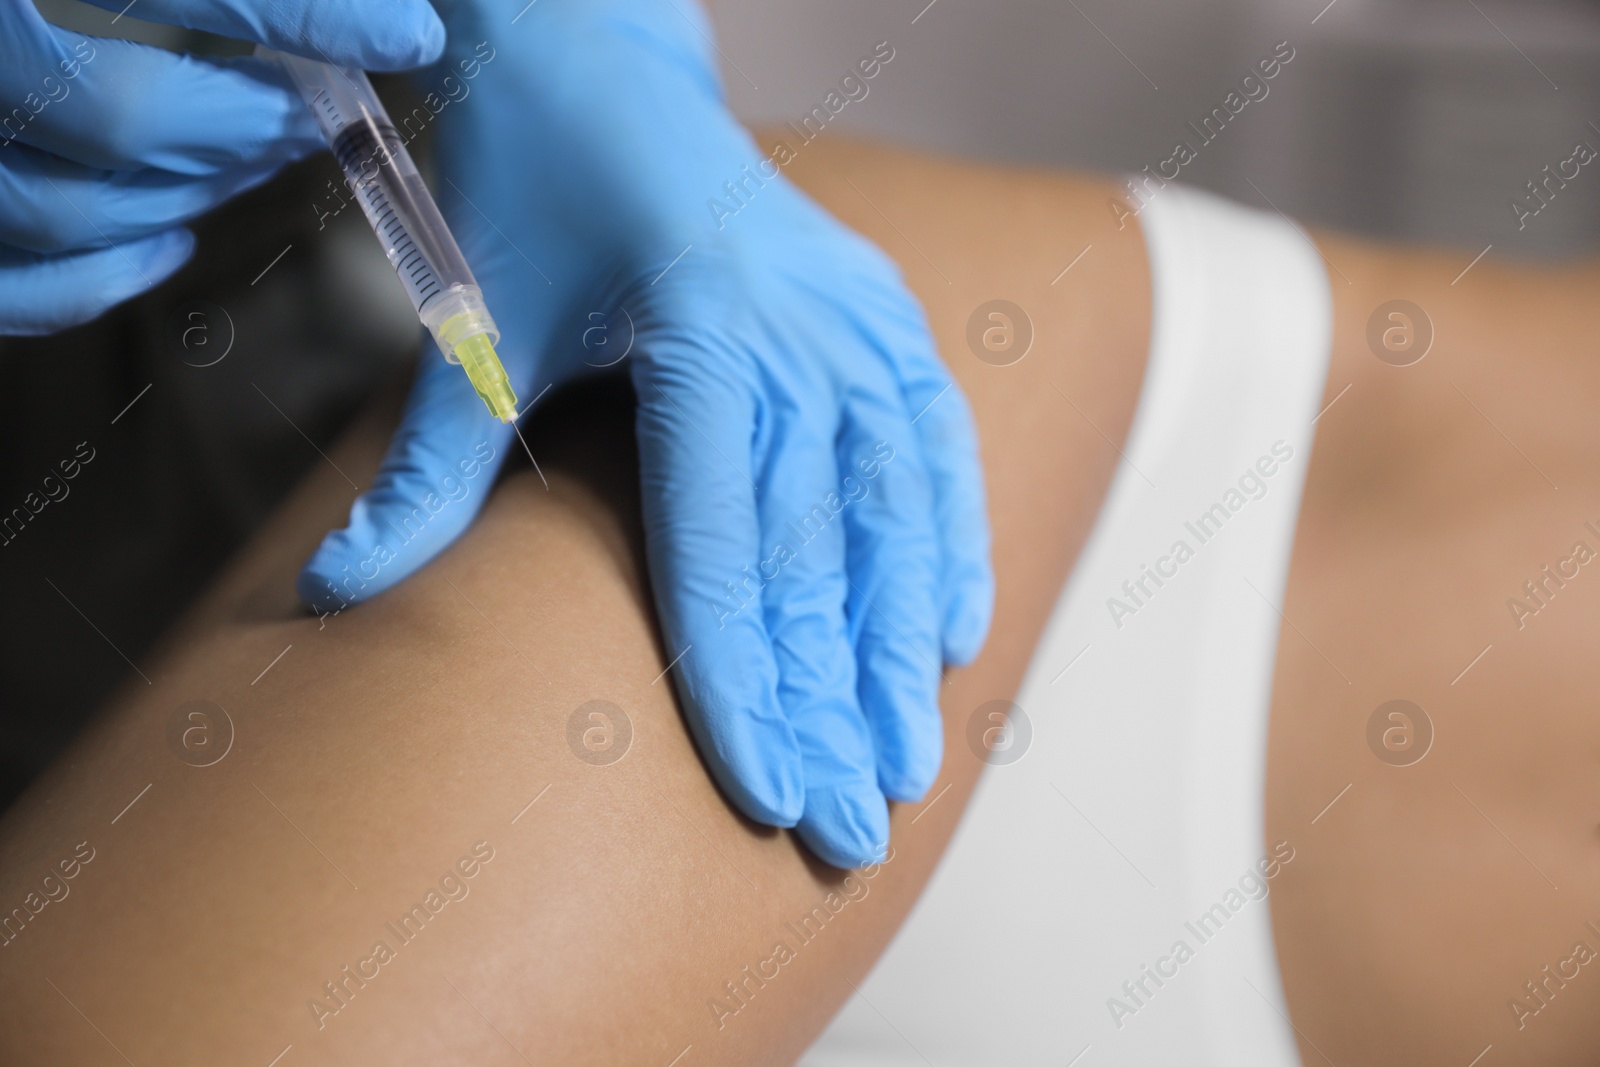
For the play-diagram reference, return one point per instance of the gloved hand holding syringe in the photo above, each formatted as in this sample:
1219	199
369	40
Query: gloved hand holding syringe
384	180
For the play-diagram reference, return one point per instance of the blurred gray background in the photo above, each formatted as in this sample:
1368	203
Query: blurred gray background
1410	120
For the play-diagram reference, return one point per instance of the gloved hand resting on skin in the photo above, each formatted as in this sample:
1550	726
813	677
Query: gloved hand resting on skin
812	497
107	147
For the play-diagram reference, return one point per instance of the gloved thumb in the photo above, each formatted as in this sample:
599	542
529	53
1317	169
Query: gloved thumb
434	479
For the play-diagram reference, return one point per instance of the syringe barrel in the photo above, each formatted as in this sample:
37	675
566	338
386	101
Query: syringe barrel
385	182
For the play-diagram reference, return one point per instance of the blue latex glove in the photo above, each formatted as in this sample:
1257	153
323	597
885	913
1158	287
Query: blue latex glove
816	548
107	147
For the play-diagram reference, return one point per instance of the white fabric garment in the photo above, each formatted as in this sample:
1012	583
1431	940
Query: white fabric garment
1133	820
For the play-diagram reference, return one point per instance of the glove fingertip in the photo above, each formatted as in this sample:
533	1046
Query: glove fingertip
908	777
779	799
410	36
317	591
421	43
902	703
47	293
967	618
165	253
326	582
846	827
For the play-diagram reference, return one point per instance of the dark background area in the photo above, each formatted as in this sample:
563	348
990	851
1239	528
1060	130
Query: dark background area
184	475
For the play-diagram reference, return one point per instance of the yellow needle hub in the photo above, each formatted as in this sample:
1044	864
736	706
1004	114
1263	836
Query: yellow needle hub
488	377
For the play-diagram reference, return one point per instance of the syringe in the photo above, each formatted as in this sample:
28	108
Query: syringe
379	171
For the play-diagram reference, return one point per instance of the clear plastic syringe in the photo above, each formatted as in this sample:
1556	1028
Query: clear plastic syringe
379	171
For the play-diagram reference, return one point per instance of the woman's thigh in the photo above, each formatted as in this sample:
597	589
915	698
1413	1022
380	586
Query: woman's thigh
464	822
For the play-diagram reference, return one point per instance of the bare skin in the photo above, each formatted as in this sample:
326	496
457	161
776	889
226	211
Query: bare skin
621	898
